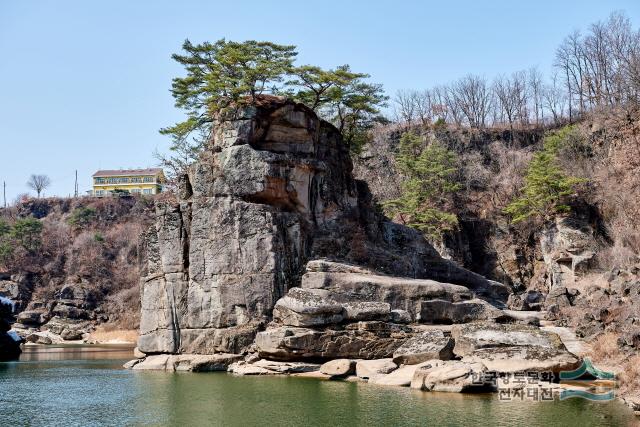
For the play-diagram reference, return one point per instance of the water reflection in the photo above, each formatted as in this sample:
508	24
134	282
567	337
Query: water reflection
86	386
32	353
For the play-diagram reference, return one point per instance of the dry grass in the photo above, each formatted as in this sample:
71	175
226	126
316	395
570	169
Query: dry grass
605	348
591	279
630	375
104	334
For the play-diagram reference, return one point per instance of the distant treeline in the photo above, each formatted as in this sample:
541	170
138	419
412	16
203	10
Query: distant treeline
600	68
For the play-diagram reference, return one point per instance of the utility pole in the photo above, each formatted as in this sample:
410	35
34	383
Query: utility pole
4	193
76	186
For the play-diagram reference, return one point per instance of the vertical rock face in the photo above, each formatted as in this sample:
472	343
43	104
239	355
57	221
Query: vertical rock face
567	247
274	190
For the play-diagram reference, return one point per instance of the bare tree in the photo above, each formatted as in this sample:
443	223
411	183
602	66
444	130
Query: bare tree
405	105
536	94
506	97
424	107
472	96
39	183
555	100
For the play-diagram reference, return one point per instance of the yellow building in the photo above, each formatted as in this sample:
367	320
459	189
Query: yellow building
132	181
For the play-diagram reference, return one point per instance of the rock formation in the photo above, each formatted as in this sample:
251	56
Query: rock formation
9	340
273	192
273	259
69	316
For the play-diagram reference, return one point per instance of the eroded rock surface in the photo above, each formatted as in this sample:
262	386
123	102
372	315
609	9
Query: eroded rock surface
424	346
512	348
363	340
273	190
450	376
568	246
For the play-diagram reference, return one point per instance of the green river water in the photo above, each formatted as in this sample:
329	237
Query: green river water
86	386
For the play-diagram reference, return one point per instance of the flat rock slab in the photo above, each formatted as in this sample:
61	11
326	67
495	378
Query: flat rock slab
287	367
368	369
305	307
512	348
574	344
366	340
424	346
186	362
448	312
243	368
270	367
400	293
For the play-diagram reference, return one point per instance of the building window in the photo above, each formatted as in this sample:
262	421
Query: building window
147	191
100	181
118	180
149	179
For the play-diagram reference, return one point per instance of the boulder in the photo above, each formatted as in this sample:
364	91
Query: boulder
156	362
400	316
530	300
339	367
368	369
440	311
304	307
35	317
424	346
512	348
452	376
39	338
401	377
18	291
68	329
75	301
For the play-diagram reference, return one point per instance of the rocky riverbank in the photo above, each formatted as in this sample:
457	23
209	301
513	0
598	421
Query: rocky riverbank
274	260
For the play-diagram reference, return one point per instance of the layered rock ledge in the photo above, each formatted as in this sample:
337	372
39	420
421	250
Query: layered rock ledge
273	191
275	260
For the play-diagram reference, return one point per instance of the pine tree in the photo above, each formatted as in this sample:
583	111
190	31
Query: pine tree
547	187
428	188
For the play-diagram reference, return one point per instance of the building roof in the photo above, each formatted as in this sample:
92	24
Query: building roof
128	172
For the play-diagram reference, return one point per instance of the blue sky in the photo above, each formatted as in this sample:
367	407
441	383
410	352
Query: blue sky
85	84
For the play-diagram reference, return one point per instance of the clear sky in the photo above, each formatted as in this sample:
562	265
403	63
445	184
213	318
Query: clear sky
85	84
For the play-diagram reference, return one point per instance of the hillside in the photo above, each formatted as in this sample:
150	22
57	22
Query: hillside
73	265
581	267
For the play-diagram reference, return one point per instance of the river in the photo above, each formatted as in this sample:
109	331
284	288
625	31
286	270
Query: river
86	386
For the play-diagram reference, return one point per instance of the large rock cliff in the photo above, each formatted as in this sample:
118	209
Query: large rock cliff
273	191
